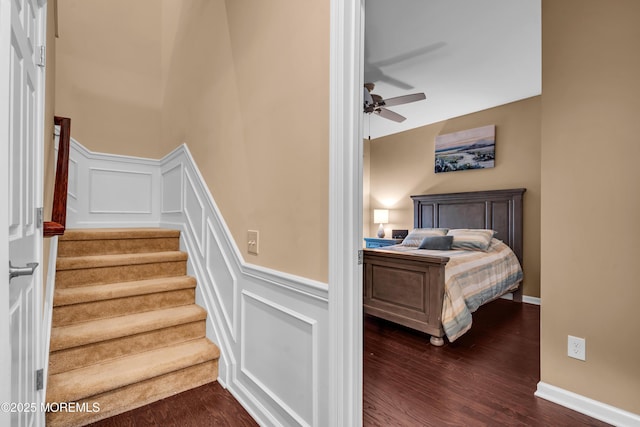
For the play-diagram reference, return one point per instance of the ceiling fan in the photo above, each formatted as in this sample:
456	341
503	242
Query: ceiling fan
377	105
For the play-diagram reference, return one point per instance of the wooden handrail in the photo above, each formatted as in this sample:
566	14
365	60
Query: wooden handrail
56	226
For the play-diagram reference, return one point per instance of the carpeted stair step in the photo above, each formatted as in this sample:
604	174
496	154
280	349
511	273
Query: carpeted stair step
67	296
135	395
105	241
96	379
129	382
83	344
100	269
119	299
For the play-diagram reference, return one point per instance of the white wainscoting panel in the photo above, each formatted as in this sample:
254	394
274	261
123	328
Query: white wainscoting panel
107	190
272	328
72	182
274	339
223	280
119	191
172	190
194	209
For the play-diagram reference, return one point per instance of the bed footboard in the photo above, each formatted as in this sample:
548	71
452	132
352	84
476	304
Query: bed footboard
405	290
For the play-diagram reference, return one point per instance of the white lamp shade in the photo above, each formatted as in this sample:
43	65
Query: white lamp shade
380	216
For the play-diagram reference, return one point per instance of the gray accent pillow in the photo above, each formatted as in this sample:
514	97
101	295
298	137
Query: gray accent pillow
418	234
439	243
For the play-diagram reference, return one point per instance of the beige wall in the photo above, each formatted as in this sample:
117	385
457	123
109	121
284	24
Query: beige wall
242	83
247	90
402	165
591	197
109	74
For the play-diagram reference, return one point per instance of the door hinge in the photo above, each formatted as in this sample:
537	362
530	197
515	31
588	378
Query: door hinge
39	217
360	256
39	379
42	56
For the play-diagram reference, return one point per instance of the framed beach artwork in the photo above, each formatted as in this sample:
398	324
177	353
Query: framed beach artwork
467	149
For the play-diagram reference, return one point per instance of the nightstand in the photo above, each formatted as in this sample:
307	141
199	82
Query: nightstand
376	242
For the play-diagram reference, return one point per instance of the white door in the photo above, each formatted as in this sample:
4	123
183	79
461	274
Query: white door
22	36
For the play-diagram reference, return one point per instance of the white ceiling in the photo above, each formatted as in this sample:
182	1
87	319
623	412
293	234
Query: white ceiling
465	55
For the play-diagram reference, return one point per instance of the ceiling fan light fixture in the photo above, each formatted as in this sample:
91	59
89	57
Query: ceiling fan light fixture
368	100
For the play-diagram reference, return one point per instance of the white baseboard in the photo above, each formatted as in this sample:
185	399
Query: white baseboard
531	300
525	298
593	408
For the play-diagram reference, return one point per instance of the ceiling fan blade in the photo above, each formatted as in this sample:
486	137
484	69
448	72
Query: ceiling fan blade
404	99
388	114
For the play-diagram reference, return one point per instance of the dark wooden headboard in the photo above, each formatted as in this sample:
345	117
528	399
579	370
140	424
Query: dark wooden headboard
499	210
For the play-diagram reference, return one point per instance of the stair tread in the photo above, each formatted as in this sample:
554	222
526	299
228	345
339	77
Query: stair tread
97	261
117	233
137	395
75	335
101	292
95	379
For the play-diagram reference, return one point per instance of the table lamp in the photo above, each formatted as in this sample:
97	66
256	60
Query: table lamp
381	216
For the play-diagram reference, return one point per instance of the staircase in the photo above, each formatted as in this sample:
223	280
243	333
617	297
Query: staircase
125	330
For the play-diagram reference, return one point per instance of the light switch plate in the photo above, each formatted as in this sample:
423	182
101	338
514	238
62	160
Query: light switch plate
252	242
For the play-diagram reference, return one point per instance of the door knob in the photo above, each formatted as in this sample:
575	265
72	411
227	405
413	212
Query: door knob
22	271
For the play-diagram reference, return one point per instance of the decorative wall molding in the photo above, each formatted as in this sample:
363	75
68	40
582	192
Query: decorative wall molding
598	410
118	191
178	198
223	278
73	172
172	183
290	326
110	189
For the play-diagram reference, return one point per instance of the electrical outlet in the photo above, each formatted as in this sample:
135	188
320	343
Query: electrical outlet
252	242
576	348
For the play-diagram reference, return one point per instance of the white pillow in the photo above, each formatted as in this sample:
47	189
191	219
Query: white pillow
471	239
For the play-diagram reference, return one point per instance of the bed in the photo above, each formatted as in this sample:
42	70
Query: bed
411	287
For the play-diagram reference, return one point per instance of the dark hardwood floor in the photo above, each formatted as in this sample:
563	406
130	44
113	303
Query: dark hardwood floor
209	405
485	378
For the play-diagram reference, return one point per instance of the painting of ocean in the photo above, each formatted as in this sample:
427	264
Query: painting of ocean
467	149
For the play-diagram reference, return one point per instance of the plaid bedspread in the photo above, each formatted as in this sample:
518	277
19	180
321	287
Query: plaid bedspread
472	278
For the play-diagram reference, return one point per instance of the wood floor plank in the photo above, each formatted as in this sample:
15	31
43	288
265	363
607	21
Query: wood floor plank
485	378
208	405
